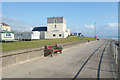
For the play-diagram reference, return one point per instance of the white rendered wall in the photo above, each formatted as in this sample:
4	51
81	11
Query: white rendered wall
36	35
49	35
60	28
7	38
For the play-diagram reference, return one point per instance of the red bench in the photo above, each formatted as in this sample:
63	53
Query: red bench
51	49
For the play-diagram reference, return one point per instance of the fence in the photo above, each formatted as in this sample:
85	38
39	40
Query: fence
115	50
115	59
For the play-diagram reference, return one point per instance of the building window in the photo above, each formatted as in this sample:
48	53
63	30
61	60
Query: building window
6	29
54	35
17	34
8	35
55	26
60	35
55	20
29	35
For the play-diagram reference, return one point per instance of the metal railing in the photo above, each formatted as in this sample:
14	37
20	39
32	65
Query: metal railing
115	50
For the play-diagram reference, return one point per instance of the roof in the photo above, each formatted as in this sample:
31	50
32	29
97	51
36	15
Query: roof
6	32
4	24
55	17
39	29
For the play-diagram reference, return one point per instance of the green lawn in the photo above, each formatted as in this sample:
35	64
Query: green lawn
38	43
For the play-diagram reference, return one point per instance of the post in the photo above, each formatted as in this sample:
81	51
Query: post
114	50
95	29
116	54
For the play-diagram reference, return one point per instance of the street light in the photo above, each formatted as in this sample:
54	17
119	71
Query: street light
95	29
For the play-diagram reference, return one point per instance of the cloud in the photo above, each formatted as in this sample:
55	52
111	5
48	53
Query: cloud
89	26
82	29
17	25
112	25
108	30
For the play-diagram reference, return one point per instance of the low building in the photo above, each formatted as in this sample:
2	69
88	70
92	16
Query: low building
36	34
6	34
76	34
23	36
41	32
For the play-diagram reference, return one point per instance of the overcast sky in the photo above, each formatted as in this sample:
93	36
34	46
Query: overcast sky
80	16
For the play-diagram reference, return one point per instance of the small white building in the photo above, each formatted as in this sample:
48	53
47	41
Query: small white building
39	31
56	28
5	32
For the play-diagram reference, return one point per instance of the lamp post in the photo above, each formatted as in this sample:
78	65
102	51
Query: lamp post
95	29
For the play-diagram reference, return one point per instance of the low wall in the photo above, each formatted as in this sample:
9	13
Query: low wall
21	56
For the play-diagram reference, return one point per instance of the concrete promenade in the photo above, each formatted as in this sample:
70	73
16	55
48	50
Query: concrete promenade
89	60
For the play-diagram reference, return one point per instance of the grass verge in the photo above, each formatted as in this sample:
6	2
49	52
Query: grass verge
38	43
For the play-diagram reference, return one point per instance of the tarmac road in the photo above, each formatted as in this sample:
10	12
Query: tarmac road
68	64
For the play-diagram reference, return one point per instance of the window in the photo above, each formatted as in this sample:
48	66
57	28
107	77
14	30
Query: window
55	26
55	20
54	35
6	29
29	35
8	35
60	35
17	34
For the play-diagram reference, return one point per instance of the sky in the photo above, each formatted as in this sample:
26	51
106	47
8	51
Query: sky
80	16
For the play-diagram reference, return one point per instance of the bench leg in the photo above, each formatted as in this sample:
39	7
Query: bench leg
45	54
52	53
60	52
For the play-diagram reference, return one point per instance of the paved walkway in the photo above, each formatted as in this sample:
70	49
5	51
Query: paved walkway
68	64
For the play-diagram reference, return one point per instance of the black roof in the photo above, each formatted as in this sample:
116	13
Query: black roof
39	29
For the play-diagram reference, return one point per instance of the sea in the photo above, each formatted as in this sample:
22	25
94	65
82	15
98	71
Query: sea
112	37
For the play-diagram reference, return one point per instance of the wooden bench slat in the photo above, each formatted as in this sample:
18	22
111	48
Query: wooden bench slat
51	49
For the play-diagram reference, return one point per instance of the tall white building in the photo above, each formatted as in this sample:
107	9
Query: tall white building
56	28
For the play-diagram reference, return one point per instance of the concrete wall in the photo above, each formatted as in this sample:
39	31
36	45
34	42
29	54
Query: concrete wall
16	57
13	59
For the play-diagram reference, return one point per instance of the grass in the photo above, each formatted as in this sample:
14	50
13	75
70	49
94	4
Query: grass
38	43
72	36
